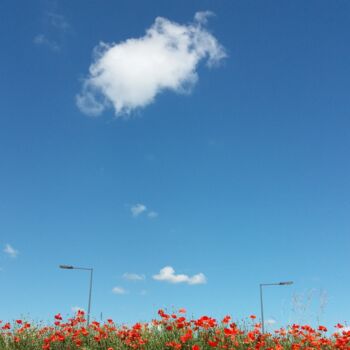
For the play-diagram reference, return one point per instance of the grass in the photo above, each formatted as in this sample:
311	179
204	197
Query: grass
168	332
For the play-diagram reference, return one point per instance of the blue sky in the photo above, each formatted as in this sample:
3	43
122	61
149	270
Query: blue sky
243	177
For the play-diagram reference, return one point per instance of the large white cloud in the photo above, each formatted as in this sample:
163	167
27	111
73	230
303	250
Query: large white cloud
129	75
167	274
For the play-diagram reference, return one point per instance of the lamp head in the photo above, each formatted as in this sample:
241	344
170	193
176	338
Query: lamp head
287	283
67	267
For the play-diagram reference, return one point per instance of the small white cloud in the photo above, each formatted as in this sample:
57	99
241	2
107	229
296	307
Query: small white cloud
167	274
10	251
270	321
57	21
77	308
119	290
130	74
152	214
138	209
41	39
54	31
133	276
202	16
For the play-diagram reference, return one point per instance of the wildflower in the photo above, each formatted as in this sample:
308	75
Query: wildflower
58	317
16	339
226	319
184	338
6	326
213	344
322	328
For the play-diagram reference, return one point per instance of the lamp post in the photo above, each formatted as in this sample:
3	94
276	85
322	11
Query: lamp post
70	267
287	283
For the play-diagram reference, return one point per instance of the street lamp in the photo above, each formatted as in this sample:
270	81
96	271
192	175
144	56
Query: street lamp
70	267
287	283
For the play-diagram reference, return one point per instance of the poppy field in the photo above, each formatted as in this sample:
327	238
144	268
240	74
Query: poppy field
173	331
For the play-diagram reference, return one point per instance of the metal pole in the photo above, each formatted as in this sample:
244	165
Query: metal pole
287	283
70	267
262	309
90	290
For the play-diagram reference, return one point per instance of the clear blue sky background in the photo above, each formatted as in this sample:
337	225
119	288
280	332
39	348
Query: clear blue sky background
249	173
